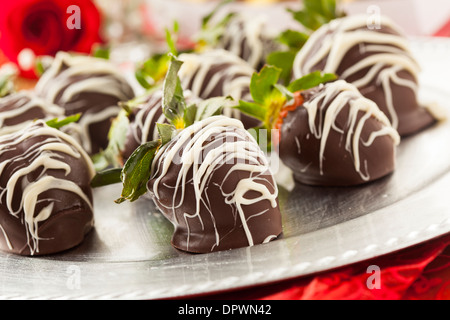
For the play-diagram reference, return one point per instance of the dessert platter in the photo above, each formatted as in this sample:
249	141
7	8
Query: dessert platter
230	169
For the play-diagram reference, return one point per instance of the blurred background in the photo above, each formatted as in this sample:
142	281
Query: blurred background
127	18
416	17
31	28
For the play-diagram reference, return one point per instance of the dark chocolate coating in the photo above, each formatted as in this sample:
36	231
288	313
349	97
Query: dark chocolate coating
106	88
218	225
220	73
71	216
300	148
249	39
413	118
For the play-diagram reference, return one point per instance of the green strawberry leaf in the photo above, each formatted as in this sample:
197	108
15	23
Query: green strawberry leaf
312	16
310	81
261	84
266	94
106	177
42	63
283	60
253	109
294	40
174	103
166	132
208	17
270	96
100	51
152	71
210	34
57	124
316	13
171	38
189	115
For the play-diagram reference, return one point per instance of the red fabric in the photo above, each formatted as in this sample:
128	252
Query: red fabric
408	274
42	27
421	272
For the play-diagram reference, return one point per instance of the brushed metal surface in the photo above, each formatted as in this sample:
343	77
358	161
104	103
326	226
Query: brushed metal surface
128	255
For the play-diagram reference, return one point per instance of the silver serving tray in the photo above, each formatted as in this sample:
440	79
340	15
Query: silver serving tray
128	255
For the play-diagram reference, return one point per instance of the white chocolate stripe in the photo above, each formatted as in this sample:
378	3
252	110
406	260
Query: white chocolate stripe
234	79
391	54
344	94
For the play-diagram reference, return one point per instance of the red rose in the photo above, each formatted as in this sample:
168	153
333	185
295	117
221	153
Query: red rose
31	28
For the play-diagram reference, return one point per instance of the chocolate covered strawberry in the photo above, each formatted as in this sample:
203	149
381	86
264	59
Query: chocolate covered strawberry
326	132
206	174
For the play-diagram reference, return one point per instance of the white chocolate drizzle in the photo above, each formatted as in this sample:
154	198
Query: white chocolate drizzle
145	119
336	96
42	156
18	104
187	150
150	113
71	75
391	54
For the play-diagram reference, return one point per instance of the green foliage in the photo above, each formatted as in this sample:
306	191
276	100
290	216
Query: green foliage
136	172
269	96
316	13
137	169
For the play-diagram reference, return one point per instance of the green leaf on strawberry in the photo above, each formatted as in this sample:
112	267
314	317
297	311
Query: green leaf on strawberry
316	13
166	132
310	81
137	170
152	71
293	39
175	108
174	103
172	38
269	97
106	177
284	60
213	107
57	123
101	51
